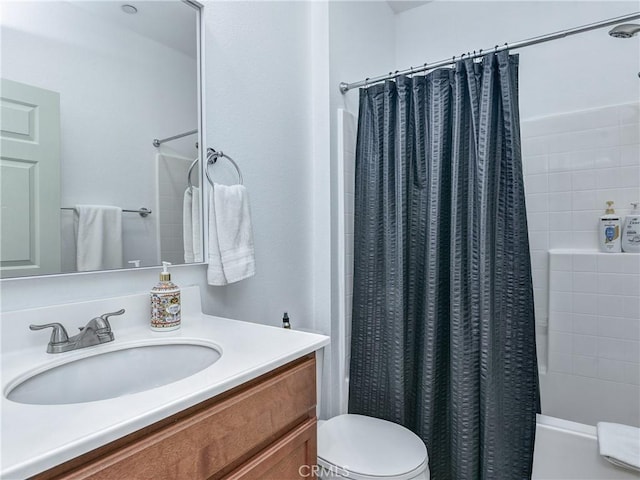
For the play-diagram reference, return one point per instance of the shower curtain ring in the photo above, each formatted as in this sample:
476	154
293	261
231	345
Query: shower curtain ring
366	82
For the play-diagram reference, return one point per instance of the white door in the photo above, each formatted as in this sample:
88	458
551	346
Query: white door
29	180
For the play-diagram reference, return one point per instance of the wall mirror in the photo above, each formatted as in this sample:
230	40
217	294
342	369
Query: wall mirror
86	88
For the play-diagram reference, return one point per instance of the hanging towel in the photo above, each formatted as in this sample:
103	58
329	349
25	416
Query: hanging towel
191	226
98	237
231	255
620	444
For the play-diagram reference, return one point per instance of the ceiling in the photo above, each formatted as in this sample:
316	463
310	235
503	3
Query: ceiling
154	17
172	23
399	6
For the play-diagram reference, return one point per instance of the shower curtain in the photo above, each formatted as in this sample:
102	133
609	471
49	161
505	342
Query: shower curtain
443	338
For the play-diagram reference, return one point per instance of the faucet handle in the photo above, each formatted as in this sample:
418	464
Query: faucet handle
105	316
103	320
58	335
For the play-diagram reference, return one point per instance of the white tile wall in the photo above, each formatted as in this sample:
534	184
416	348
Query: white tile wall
172	182
594	333
347	131
587	304
573	163
349	145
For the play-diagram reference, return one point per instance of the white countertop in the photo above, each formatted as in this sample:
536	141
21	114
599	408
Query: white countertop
38	437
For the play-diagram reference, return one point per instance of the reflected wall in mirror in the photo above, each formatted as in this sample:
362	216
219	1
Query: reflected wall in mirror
86	88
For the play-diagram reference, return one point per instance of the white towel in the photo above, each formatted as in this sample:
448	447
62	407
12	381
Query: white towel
620	444
98	237
191	226
231	255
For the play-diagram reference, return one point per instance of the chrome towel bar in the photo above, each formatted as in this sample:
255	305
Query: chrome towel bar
143	212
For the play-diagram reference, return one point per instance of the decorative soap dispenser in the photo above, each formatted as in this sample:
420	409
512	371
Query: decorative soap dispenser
165	303
610	230
631	231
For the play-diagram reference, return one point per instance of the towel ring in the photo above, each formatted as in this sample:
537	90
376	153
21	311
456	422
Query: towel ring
191	167
212	157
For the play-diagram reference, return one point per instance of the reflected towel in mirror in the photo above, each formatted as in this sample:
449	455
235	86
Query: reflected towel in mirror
98	231
231	254
192	226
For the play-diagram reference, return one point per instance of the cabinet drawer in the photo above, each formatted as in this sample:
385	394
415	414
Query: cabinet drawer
292	457
213	438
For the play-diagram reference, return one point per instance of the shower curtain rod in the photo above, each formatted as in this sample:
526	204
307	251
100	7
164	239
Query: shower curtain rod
156	142
345	87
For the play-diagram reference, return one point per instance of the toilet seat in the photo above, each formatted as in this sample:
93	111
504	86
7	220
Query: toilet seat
364	448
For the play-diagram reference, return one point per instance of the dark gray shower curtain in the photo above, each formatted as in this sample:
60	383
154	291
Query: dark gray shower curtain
443	337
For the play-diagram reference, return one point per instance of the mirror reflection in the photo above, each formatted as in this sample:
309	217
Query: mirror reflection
86	88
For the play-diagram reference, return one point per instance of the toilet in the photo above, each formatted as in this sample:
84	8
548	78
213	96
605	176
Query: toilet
365	448
358	447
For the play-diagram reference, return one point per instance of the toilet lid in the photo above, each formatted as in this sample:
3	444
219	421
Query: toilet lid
363	446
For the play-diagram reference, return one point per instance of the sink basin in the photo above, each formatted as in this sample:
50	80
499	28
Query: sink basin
112	374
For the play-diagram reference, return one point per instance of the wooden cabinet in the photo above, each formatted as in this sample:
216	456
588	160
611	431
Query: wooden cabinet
260	430
290	457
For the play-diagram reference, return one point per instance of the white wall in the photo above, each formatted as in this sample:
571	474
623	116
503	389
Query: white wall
574	73
258	112
118	91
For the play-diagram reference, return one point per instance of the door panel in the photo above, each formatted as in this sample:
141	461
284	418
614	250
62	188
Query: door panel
30	180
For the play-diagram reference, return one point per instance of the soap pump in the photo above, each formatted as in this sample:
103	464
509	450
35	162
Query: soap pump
165	303
631	231
610	230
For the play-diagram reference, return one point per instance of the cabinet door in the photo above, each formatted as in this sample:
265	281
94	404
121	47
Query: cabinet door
292	457
218	437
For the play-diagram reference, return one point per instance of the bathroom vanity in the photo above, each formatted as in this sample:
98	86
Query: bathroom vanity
249	414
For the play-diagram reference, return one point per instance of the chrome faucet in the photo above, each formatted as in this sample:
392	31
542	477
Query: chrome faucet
97	331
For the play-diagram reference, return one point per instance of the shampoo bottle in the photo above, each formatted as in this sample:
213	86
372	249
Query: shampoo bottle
609	230
165	303
631	231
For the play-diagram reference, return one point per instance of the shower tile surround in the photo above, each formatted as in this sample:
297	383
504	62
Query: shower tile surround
171	184
347	132
594	337
587	303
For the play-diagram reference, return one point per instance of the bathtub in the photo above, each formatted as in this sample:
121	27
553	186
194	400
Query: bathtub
569	450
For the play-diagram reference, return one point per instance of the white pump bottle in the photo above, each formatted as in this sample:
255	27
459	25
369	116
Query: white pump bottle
610	230
631	231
